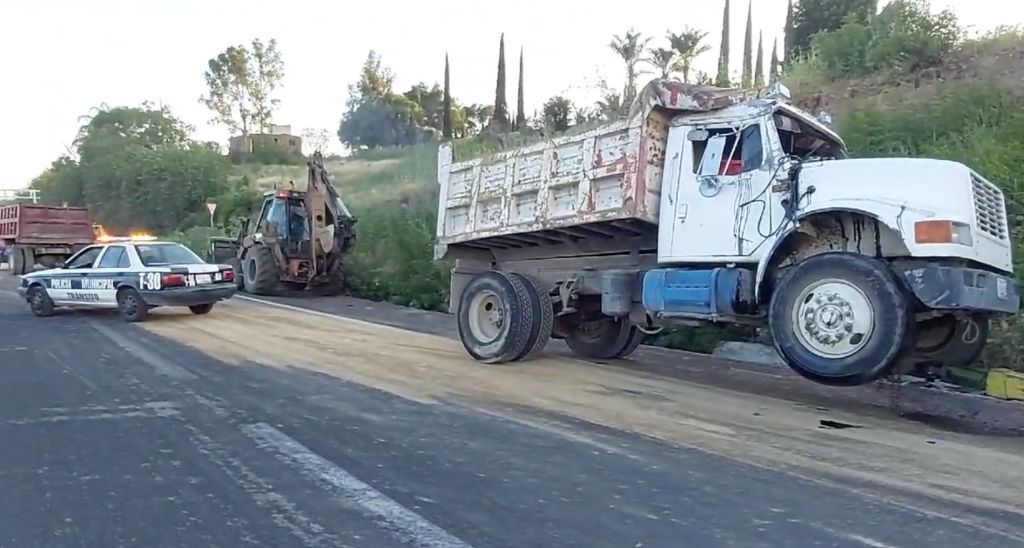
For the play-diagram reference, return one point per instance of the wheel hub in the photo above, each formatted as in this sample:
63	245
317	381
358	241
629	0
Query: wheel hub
486	317
833	318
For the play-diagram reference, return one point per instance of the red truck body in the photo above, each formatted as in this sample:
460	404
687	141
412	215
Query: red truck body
42	233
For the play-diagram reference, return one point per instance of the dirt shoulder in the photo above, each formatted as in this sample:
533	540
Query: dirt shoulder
921	466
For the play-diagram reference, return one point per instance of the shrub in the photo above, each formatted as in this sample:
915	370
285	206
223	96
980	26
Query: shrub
906	35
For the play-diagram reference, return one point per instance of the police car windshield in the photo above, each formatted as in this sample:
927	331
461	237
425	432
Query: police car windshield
166	254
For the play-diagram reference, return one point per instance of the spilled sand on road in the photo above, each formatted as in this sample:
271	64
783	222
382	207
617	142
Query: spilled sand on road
750	428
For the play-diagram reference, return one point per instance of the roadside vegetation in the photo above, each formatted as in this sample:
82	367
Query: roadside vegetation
902	80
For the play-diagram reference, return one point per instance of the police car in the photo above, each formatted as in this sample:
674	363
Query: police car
133	275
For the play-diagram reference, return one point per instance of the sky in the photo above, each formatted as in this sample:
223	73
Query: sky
61	58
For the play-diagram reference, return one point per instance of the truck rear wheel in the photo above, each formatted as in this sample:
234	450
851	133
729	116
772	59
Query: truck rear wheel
602	339
23	260
839	319
950	341
261	276
542	310
495	317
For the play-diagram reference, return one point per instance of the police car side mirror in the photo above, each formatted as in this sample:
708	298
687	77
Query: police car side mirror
60	264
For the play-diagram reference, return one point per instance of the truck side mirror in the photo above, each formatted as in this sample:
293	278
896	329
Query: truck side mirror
711	160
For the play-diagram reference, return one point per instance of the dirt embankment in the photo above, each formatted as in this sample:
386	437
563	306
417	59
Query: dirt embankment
763	431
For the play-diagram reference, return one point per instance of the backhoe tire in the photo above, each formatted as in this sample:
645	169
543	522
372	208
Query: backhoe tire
336	283
840	319
236	265
542	310
495	317
261	275
602	339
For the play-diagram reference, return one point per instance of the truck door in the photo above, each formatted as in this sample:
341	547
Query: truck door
722	208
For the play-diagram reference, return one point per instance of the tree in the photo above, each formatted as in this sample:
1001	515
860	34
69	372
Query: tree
665	61
376	116
447	120
723	54
557	113
314	139
500	122
773	69
759	66
520	98
811	17
240	85
788	35
688	44
630	47
137	168
747	78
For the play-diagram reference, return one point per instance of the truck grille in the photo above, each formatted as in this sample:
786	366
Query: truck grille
989	208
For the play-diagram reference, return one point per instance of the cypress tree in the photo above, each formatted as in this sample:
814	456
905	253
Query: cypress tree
723	55
500	120
773	69
789	38
446	119
759	66
520	100
747	78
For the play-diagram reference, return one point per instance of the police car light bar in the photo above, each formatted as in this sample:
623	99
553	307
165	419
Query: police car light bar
104	238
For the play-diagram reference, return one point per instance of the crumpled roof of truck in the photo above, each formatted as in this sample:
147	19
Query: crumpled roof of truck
675	95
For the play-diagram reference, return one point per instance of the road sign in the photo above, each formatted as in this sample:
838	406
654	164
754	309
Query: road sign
211	207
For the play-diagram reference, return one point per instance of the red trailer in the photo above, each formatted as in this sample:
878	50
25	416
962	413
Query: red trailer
42	234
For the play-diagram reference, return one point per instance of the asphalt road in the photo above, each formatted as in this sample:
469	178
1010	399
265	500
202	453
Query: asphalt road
112	435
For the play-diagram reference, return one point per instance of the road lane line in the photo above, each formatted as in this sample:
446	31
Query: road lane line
284	512
159	409
162	366
407	525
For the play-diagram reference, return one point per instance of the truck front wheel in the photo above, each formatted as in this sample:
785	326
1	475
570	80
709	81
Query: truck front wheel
839	319
495	317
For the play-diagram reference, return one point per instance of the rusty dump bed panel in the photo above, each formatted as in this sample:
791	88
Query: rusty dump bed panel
35	224
609	174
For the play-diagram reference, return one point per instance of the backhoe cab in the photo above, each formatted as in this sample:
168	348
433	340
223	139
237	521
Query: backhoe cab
295	240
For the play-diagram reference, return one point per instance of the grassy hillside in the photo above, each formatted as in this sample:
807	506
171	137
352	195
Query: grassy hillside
968	109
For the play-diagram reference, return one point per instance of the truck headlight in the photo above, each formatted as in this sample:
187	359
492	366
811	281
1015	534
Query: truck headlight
943	232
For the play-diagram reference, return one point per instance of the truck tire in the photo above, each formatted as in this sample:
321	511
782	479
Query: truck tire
636	338
952	342
542	310
261	275
236	265
495	317
602	339
839	319
18	261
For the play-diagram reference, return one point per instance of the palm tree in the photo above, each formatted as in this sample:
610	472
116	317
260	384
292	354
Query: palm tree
688	45
664	60
630	48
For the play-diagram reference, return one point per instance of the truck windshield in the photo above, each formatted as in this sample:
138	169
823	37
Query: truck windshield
806	141
166	254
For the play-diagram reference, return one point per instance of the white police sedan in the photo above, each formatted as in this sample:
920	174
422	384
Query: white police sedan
133	275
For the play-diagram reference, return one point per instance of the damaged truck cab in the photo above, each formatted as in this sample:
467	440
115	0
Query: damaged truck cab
712	205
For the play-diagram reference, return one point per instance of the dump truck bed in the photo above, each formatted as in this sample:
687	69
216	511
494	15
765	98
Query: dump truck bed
34	224
603	181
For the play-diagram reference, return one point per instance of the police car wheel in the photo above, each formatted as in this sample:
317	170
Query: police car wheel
131	306
40	302
200	309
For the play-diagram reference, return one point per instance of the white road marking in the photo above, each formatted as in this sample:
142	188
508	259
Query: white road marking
162	366
284	512
405	524
159	409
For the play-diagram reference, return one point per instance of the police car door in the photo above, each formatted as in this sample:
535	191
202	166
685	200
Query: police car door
62	282
99	286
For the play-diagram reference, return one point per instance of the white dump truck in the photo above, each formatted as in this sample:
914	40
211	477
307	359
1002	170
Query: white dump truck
714	205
